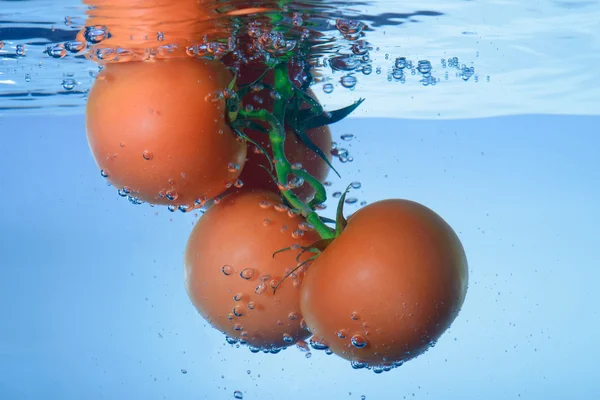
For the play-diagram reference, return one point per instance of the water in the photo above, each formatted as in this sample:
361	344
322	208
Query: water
92	301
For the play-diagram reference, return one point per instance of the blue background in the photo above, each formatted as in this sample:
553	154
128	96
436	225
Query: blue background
92	302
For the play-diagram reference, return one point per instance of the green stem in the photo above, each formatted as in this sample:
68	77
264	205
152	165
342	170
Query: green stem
284	169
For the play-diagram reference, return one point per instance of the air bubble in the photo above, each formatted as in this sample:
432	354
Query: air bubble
237	311
147	155
293	316
358	364
341	334
171	195
347	137
356	185
358	341
74	46
20	50
351	200
237	327
69	84
238	395
344	63
328	88
260	289
227	270
247	273
233	167
348	81
318	344
287	338
56	51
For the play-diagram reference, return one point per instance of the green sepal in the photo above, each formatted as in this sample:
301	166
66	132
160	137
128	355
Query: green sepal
309	120
301	133
341	222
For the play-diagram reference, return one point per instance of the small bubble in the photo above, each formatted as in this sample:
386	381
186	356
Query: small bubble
171	195
355	316
348	81
356	185
351	200
237	327
297	234
358	364
293	316
238	297
20	50
358	341
237	311
347	137
287	338
342	334
231	340
247	273
238	395
56	51
260	289
103	173
227	270
328	88
233	167
251	305
69	84
318	343
337	195
147	155
264	204
74	46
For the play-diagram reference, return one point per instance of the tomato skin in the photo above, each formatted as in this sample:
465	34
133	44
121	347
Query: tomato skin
396	277
242	234
157	129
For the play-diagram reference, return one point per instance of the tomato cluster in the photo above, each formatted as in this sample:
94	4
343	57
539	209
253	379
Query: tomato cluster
261	266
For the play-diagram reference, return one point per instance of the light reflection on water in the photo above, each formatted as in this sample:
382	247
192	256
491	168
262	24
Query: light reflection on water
517	59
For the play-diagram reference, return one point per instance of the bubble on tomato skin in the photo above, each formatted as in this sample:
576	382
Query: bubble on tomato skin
297	234
171	208
260	289
358	341
318	343
237	327
233	167
293	316
264	204
103	173
238	297
342	334
147	155
254	349
355	316
358	364
74	46
96	33
124	192
230	316
247	273
171	195
238	395
281	207
287	338
304	325
238	311
251	305
231	340
227	269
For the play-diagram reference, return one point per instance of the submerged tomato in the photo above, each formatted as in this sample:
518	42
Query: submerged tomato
158	129
388	286
230	270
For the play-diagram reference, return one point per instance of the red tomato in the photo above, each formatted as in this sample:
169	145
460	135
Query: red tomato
388	287
159	130
230	271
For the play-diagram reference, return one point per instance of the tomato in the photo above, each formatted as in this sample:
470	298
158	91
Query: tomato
158	129
145	29
387	288
230	270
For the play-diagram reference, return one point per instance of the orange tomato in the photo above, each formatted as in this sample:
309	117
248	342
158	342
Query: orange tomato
158	129
230	270
387	288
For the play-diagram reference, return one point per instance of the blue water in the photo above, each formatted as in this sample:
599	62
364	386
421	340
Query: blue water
92	299
93	306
